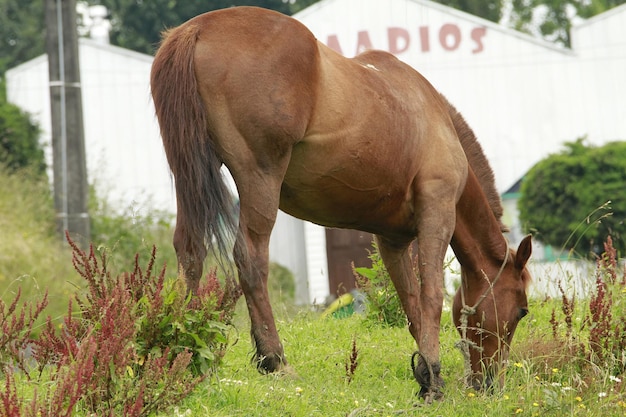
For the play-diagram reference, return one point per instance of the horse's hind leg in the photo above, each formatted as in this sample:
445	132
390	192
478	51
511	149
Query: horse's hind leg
259	198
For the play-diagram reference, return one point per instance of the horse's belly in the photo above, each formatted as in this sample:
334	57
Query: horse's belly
345	202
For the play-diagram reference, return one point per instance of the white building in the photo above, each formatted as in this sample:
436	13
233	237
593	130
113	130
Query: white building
125	159
523	97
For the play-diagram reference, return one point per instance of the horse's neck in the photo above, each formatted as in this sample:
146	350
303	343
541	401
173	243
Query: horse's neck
477	240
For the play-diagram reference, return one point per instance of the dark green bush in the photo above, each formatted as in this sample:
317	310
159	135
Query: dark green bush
564	198
19	138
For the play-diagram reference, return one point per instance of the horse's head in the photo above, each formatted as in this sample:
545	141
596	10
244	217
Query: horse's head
492	302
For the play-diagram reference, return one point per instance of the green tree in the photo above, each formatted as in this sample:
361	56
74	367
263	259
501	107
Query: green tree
22	32
564	198
138	25
19	138
591	8
555	21
487	9
296	5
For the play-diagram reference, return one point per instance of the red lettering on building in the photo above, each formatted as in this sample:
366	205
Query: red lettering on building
399	40
477	36
363	42
447	32
333	43
451	38
425	38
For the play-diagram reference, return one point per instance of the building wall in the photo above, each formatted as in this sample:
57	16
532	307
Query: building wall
125	159
523	97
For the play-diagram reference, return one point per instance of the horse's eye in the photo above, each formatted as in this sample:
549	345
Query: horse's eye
523	312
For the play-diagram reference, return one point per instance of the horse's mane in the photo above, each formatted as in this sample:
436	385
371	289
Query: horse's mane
478	162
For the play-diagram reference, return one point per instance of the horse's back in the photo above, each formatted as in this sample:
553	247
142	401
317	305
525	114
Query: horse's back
256	70
379	128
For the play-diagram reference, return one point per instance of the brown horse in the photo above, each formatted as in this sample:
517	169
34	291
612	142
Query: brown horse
364	143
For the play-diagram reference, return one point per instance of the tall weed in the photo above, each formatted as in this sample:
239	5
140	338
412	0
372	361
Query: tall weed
138	344
383	304
590	333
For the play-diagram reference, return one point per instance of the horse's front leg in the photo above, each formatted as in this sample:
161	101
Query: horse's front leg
435	223
399	265
427	370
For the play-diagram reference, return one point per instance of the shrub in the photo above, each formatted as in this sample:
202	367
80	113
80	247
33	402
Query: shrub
600	338
581	182
16	328
137	344
383	303
19	139
607	313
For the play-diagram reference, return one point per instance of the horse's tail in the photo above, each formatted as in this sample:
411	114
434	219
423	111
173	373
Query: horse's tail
205	205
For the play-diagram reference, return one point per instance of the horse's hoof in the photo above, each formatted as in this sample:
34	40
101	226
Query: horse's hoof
428	376
270	364
430	395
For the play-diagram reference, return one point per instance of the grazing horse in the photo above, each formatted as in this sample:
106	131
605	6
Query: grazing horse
364	143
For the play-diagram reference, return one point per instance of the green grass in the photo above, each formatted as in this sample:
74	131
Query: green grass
36	259
545	377
31	255
542	378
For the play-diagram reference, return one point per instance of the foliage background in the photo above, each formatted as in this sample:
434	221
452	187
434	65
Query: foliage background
563	198
19	138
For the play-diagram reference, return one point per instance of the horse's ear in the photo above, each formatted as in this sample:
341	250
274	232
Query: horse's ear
524	251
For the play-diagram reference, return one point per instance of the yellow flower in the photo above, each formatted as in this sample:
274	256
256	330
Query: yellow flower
555	370
518	365
471	394
578	399
506	397
519	411
535	404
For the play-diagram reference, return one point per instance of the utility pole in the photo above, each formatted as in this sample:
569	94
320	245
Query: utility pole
68	143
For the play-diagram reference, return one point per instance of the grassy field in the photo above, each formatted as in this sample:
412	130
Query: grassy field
31	256
543	377
546	376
